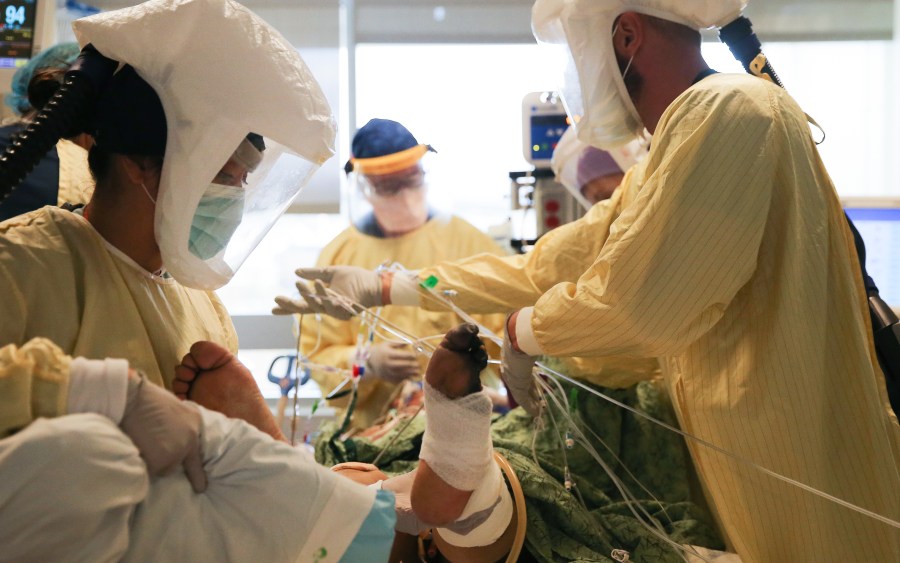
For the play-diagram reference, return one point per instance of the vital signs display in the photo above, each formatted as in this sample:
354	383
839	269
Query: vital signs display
17	22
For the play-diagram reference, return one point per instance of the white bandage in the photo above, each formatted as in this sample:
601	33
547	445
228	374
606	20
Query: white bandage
486	515
457	447
457	442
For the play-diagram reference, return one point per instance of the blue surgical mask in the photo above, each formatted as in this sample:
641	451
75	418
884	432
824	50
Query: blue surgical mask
217	217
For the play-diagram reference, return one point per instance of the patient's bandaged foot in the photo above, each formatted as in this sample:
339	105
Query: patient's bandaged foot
457	446
457	442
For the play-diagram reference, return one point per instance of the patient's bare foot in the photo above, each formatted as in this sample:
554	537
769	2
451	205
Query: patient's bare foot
455	365
212	377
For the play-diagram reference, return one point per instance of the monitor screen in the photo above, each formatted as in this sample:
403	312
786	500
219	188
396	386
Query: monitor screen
880	230
17	21
545	133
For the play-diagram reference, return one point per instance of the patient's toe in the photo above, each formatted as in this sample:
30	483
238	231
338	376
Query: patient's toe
455	366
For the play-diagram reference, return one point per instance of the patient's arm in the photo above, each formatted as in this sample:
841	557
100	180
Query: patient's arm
454	463
226	386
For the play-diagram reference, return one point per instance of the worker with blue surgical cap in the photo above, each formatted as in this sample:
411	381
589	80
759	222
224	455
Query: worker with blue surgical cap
100	304
61	55
725	254
62	176
392	223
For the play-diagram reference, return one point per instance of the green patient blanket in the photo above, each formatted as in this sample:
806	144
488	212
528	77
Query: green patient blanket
560	526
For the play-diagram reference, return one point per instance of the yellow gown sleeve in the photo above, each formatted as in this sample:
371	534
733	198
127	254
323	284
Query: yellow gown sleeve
677	256
488	283
34	381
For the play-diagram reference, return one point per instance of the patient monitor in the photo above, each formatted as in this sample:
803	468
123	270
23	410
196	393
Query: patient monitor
26	28
544	121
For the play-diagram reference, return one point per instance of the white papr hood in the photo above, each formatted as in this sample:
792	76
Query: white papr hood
220	72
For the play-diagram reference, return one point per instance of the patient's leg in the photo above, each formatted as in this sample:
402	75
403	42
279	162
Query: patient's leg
211	376
452	389
457	486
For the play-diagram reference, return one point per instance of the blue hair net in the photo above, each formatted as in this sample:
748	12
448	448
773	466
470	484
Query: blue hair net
61	55
380	137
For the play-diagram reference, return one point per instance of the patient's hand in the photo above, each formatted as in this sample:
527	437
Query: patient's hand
362	473
455	365
212	377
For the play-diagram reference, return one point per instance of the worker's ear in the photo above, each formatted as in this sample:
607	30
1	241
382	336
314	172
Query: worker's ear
139	170
629	35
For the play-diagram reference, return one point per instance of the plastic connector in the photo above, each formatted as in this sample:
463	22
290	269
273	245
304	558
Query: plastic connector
429	283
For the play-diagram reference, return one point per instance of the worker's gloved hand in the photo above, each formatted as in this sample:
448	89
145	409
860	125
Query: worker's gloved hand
392	361
516	371
352	283
165	430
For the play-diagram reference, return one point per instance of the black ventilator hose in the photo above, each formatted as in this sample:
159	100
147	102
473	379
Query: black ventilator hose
747	49
67	114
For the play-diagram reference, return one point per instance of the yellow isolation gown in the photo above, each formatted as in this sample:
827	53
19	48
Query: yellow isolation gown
726	255
34	382
60	280
76	185
441	238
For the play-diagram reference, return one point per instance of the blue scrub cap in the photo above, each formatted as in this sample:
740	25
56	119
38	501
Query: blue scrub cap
380	137
58	56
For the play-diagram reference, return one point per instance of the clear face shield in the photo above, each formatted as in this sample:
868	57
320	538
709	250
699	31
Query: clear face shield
594	88
567	166
593	91
396	194
221	73
237	207
244	199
